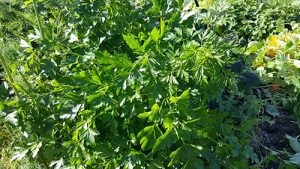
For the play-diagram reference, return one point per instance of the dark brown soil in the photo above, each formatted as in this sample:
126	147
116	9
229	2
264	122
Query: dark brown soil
271	136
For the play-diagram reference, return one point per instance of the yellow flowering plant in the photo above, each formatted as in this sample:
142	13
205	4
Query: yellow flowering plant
277	59
273	46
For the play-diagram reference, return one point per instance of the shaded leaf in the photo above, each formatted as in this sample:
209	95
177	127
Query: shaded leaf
295	159
148	136
164	141
294	143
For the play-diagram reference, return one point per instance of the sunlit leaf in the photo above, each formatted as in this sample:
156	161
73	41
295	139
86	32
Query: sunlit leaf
133	43
11	117
57	164
24	44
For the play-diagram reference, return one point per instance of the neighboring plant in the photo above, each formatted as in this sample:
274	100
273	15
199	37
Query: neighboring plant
295	145
278	62
258	19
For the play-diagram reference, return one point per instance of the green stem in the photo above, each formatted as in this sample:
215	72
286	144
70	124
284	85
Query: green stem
20	14
10	78
38	18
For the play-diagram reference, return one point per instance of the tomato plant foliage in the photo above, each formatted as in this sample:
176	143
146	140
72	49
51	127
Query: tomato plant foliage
107	84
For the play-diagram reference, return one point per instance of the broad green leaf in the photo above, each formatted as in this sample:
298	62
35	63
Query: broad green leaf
151	114
167	123
164	141
183	96
188	14
174	99
35	149
19	155
88	56
57	164
54	83
178	31
155	34
280	25
133	43
73	38
162	28
27	2
295	159
148	136
11	117
144	115
156	6
24	44
154	111
93	97
110	165
1	106
175	156
253	46
295	81
128	165
271	109
187	153
155	108
146	43
194	163
294	143
145	61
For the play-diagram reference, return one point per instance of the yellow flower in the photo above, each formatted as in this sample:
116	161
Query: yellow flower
272	51
273	46
273	41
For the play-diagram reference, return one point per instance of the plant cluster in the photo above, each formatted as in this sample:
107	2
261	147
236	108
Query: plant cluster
138	84
277	60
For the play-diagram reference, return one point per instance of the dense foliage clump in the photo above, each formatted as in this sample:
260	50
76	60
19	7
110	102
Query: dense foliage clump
140	84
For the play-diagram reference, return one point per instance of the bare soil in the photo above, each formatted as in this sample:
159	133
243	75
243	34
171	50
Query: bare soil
272	136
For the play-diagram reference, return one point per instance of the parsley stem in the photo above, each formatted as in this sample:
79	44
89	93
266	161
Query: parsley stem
7	71
38	19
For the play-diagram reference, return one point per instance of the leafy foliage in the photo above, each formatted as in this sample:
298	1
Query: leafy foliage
108	84
277	60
